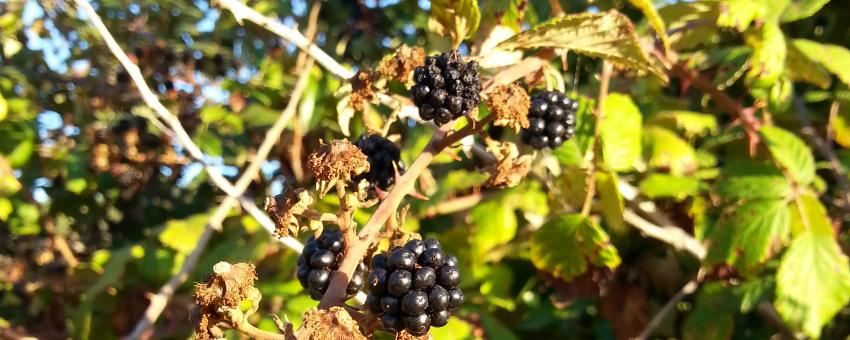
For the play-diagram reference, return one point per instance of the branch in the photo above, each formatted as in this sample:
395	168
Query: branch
355	251
159	301
825	150
669	234
241	12
599	114
688	289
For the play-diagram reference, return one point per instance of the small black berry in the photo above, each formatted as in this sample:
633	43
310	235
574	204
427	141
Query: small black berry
392	322
416	247
552	120
446	88
399	283
417	325
379	261
373	304
438	299
401	259
440	318
322	259
414	302
390	305
424	278
455	298
319	258
449	277
432	258
384	159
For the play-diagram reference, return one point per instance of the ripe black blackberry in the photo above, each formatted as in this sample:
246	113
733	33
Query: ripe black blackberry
382	154
552	120
446	88
319	259
414	287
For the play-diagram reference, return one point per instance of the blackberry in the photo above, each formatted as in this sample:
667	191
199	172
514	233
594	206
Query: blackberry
320	257
383	154
414	287
552	120
446	88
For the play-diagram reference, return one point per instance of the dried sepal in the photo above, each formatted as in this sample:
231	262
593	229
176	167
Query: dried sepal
333	323
400	66
509	169
404	335
285	208
361	90
338	160
218	299
510	104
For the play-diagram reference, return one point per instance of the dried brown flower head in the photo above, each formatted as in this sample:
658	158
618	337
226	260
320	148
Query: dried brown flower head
404	335
402	63
361	90
338	160
510	104
220	293
285	208
334	323
510	168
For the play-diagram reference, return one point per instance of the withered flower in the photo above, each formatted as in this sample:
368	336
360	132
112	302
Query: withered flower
402	63
510	104
338	160
361	90
218	298
510	168
334	323
285	208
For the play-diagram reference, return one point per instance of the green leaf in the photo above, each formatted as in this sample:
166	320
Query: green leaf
4	107
209	143
751	181
24	219
813	282
654	20
740	14
182	235
495	224
455	329
5	208
567	245
612	201
620	132
609	36
809	214
712	316
691	124
841	125
680	17
769	50
790	152
801	68
458	18
834	58
801	9
668	186
665	150
569	154
750	233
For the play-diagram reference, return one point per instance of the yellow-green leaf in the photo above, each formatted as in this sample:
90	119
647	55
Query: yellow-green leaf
691	124
182	235
458	18
834	58
801	68
620	132
611	199
569	244
4	107
750	234
801	9
665	150
790	152
769	50
813	282
680	18
610	36
654	20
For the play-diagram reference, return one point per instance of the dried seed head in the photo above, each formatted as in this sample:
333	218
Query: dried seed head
402	64
510	169
404	335
338	160
361	90
285	208
334	323
224	290
510	104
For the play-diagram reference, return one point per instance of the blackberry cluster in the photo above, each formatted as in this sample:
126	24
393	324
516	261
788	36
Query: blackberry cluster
414	287
552	120
319	259
382	154
446	88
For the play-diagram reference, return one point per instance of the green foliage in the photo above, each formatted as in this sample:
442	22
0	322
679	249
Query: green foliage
568	245
99	206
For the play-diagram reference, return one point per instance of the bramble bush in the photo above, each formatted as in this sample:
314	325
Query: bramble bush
447	169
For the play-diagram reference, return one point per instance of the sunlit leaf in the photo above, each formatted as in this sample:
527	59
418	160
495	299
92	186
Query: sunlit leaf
801	9
751	181
668	186
750	233
620	133
834	58
568	245
611	199
791	152
813	282
182	235
691	124
665	150
648	9
769	50
608	36
458	18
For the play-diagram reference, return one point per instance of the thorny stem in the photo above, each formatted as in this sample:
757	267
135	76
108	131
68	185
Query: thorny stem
356	250
599	114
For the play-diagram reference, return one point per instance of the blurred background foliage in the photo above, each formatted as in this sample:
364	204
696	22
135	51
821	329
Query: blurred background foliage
98	208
